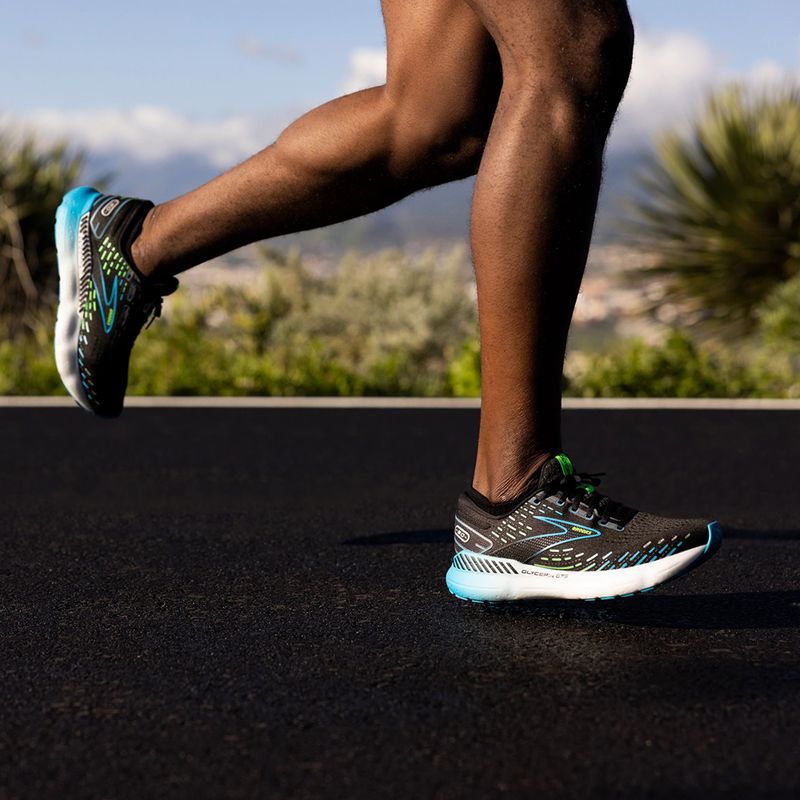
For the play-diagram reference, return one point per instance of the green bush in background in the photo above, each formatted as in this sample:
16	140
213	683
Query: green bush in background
384	324
388	325
680	368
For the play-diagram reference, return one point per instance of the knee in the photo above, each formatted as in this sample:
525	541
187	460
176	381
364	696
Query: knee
603	62
434	141
582	68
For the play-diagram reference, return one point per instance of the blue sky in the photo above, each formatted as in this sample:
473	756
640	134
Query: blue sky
240	55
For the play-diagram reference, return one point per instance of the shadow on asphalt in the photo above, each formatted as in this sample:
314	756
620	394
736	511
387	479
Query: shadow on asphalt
743	533
724	611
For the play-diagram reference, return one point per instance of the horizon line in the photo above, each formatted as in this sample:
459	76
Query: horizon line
421	403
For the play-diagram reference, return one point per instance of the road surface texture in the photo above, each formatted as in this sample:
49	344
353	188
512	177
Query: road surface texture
251	603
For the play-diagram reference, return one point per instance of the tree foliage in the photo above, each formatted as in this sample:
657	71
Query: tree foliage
721	206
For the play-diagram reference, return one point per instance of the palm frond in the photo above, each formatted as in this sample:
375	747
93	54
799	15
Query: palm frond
721	207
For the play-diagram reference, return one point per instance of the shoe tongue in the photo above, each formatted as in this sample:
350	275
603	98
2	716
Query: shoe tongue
555	469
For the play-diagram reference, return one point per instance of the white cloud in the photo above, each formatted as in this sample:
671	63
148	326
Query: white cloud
366	67
151	133
672	75
770	73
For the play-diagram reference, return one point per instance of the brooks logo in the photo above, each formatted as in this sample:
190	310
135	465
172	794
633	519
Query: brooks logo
106	303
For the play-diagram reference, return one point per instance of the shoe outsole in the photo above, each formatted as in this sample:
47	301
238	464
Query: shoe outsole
502	589
74	206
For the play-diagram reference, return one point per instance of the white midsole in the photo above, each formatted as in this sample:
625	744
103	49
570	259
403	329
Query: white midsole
534	582
68	320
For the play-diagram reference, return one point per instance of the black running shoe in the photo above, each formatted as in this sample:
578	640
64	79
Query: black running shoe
103	300
567	540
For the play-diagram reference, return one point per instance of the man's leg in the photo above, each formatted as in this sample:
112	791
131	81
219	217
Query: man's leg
354	155
565	66
531	527
427	125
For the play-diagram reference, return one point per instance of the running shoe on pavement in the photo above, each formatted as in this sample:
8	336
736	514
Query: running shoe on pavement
104	301
566	540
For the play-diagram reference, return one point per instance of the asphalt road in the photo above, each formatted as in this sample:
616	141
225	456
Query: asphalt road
251	603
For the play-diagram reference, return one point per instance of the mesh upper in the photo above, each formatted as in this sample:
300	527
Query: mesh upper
113	301
549	535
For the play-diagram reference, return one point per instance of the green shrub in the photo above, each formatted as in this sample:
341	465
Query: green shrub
27	362
381	325
464	372
386	325
679	368
780	314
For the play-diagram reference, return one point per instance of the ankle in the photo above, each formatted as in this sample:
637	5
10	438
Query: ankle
508	481
142	253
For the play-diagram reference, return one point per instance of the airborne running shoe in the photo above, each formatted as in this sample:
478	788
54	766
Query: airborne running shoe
566	540
104	301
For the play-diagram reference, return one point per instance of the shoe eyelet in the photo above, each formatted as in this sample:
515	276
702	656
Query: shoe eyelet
561	502
620	527
535	502
573	509
589	516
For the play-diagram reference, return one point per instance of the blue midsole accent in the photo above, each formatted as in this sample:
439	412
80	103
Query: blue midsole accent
74	205
714	535
78	201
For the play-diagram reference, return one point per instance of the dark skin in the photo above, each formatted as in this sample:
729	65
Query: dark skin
521	92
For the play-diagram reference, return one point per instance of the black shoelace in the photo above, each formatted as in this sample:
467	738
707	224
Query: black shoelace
153	311
580	490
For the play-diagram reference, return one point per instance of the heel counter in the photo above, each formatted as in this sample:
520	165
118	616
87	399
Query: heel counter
471	527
